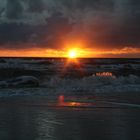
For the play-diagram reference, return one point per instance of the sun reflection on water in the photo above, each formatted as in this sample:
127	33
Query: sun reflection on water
105	74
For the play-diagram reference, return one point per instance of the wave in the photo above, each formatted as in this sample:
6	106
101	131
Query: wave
49	74
92	85
96	84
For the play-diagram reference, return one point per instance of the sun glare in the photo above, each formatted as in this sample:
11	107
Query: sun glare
72	54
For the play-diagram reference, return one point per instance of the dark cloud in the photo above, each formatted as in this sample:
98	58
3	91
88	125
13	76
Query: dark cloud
127	30
97	4
14	33
14	9
42	35
104	22
36	6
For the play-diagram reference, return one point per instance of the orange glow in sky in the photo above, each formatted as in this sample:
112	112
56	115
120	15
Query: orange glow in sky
72	51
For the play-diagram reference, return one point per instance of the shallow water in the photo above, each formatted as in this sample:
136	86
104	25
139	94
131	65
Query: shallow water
19	122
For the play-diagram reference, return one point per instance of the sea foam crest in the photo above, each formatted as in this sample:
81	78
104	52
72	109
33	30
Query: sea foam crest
100	84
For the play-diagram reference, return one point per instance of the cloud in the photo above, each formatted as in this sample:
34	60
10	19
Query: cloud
47	22
36	6
46	35
14	9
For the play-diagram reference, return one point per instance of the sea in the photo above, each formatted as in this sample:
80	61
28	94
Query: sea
69	99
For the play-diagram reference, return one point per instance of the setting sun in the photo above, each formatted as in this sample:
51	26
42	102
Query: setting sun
72	54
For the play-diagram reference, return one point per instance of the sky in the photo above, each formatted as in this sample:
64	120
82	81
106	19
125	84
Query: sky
49	28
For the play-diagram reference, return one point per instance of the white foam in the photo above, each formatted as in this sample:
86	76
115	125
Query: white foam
98	84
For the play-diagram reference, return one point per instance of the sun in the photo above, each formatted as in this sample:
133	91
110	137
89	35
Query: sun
72	54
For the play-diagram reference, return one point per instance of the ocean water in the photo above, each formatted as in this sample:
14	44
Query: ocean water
69	76
62	99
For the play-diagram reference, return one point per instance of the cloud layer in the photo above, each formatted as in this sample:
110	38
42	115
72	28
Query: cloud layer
107	23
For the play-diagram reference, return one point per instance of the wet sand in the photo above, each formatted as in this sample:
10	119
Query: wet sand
27	118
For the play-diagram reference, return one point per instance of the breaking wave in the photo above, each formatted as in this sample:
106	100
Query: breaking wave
97	84
92	85
48	77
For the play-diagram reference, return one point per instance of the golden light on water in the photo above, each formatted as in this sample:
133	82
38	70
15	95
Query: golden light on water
72	103
105	74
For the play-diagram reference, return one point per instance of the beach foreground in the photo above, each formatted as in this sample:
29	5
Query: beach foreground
54	99
31	118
